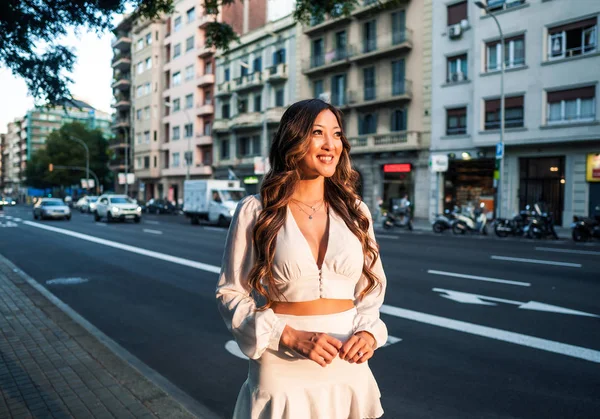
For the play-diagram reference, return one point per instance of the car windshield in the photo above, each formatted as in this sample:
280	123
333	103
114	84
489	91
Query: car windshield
52	203
93	199
121	200
232	195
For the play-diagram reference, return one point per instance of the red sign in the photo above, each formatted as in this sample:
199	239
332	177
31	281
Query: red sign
397	168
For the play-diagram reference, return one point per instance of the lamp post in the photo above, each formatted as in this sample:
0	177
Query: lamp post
188	158
498	205
87	161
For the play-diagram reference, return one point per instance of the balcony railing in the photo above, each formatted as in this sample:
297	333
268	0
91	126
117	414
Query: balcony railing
327	60
508	123
277	72
224	88
249	81
456	131
392	141
379	94
390	43
205	109
242	120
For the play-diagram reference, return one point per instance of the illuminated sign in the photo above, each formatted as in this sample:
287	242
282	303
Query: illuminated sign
397	168
251	180
593	168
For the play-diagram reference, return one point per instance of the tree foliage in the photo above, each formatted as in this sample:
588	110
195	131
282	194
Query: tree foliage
61	151
29	29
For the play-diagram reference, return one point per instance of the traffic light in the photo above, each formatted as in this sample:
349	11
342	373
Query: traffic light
50	167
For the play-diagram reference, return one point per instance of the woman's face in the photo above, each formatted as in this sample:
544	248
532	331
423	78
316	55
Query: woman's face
325	147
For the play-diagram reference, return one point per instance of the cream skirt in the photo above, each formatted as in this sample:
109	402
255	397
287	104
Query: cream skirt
284	385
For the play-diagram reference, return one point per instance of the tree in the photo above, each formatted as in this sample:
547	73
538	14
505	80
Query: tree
61	151
25	25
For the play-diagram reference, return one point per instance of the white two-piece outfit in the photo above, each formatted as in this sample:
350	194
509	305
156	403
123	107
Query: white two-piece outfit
283	384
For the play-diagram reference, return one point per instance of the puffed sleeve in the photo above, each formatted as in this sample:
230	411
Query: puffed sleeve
367	318
253	330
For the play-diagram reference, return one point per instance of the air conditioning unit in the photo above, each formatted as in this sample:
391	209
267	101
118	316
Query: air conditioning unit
454	31
325	97
456	77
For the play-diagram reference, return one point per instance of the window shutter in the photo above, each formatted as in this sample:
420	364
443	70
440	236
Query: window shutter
457	12
588	92
575	25
513	102
459	111
492	105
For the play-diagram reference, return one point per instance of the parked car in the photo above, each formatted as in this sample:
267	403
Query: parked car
160	206
51	208
8	201
117	207
89	205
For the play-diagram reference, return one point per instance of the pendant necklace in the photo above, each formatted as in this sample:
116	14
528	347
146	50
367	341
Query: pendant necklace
314	210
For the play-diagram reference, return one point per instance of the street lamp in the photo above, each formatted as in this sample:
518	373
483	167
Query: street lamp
87	161
501	172
188	154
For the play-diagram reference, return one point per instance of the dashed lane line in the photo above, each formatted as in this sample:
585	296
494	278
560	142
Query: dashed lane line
575	252
150	231
478	278
537	261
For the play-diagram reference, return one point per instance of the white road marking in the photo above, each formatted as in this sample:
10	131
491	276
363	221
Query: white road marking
577	252
386	236
168	258
147	230
8	224
468	298
538	261
497	334
222	230
66	281
101	224
9	217
151	222
18	220
391	340
479	278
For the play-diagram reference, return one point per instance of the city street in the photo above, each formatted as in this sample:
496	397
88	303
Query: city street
480	327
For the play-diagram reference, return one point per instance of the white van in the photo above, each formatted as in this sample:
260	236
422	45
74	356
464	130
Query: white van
212	200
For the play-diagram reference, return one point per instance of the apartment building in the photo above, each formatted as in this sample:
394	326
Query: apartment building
374	65
552	130
14	153
256	82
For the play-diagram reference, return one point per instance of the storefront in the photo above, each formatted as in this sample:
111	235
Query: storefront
542	179
397	182
469	182
593	179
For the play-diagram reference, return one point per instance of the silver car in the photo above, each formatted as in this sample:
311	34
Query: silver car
51	208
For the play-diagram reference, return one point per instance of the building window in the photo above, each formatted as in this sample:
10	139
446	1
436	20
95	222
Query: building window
513	113
207	97
208	68
514	53
279	57
140	67
226	75
207	155
367	123
189	44
456	121
189	72
191	15
147	88
189	101
176	133
398	122
176	78
138	114
497	5
207	127
146	162
138	163
398	82
369	36
189	130
149	38
318	88
176	105
249	146
140	44
573	39
257	103
573	105
243	66
341	43
338	90
457	12
242	104
175	157
177	24
154	135
369	83
457	68
138	138
225	111
279	97
176	51
318	53
155	162
224	149
147	112
257	64
148	63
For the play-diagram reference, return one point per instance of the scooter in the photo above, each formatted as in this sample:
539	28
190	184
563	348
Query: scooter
541	224
443	222
584	229
474	220
516	226
401	218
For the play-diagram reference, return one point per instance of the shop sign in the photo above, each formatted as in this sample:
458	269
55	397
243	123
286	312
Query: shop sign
593	168
499	150
397	168
251	180
439	163
261	165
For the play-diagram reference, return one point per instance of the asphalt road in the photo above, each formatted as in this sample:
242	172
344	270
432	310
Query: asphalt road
480	327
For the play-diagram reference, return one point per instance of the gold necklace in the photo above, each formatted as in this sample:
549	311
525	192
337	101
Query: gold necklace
312	207
314	210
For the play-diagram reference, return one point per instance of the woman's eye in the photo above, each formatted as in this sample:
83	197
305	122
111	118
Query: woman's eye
317	132
338	134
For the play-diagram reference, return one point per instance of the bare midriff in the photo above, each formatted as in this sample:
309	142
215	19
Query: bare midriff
312	308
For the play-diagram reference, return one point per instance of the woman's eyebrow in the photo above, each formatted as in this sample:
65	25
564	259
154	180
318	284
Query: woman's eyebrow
322	126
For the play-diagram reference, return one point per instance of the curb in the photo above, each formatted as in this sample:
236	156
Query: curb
112	356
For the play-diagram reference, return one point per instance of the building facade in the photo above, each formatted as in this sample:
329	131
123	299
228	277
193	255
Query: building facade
374	66
551	114
256	81
14	158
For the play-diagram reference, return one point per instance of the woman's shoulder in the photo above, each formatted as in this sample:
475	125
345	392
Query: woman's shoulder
363	207
250	204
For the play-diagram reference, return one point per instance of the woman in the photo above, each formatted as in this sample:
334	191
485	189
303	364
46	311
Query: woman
305	249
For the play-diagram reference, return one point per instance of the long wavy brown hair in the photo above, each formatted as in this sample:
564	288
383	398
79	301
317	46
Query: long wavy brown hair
290	144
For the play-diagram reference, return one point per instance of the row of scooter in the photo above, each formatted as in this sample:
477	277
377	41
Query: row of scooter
532	222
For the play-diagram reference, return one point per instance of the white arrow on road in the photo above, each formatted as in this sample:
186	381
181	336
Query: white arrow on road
467	298
8	224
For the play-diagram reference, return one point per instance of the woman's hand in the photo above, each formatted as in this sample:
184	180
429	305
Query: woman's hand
359	348
318	347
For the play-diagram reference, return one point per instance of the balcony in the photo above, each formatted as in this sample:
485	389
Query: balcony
380	95
277	73
117	164
195	170
327	62
205	109
122	83
381	143
204	51
202	139
323	24
384	46
368	6
118	142
249	81
123	43
204	20
273	115
245	120
224	89
220	125
120	124
121	62
122	104
205	80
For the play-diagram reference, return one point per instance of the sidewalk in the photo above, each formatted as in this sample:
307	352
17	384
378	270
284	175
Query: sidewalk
53	365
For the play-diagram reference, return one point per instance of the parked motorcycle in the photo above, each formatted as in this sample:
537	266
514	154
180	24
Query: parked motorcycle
443	222
503	227
584	229
541	224
400	218
471	220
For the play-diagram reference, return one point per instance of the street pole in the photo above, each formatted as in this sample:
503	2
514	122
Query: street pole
498	206
87	162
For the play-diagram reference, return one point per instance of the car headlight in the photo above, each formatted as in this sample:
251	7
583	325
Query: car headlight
114	209
231	212
139	209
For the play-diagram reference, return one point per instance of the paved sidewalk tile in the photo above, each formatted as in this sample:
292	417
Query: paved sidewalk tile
48	371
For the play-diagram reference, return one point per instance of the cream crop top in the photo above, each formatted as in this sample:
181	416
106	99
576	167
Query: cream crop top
297	277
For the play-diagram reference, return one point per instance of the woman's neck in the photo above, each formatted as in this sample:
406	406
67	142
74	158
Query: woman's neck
310	191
